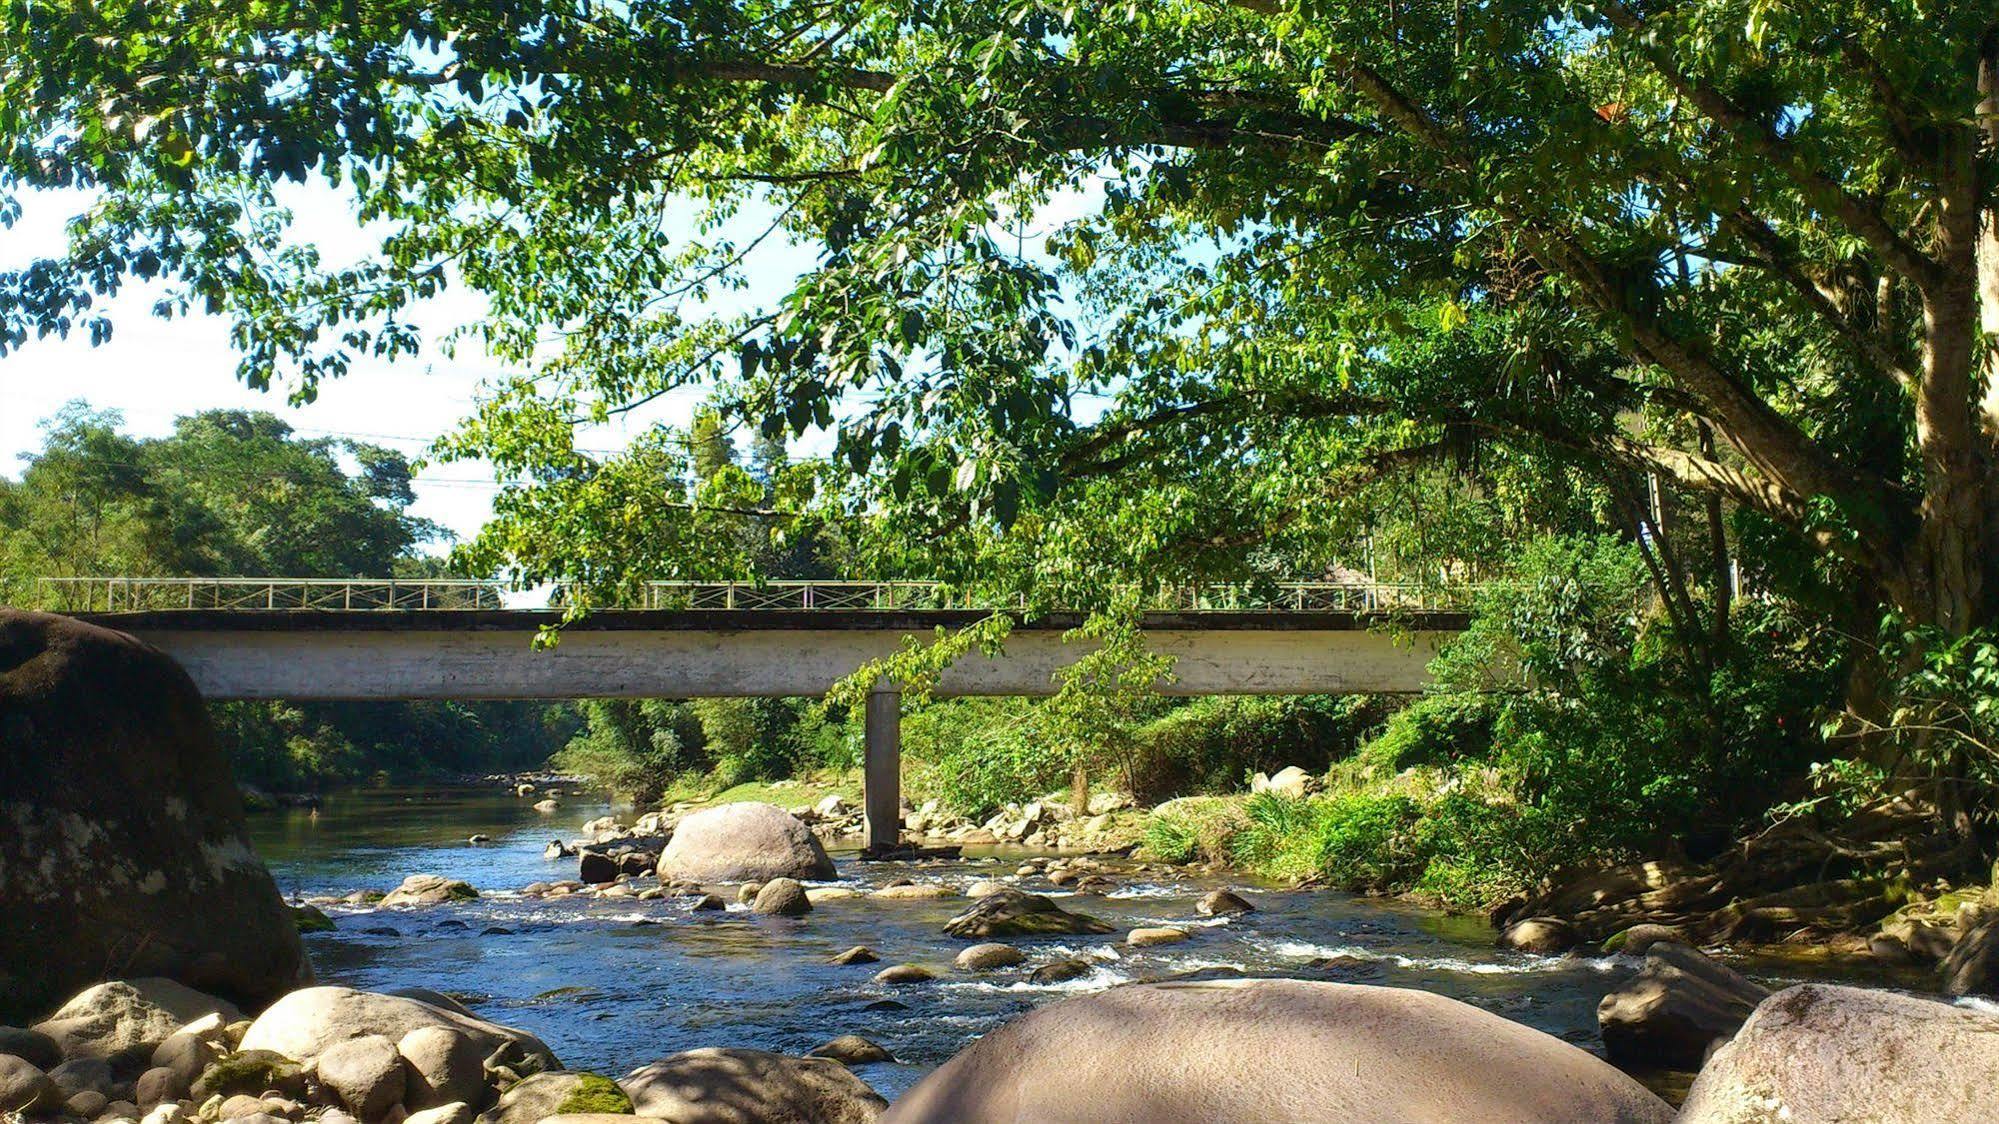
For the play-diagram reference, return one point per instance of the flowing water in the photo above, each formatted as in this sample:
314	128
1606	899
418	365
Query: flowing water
612	984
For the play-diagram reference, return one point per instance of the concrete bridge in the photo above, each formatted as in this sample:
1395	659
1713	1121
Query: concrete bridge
325	639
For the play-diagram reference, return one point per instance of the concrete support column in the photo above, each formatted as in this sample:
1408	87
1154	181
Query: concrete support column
882	769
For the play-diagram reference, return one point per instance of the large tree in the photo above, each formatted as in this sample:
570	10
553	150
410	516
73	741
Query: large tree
1732	244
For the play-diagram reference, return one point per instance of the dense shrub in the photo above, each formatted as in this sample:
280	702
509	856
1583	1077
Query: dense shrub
1212	745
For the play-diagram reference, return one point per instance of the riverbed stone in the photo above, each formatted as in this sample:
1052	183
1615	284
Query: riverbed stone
904	974
185	1054
852	1049
1639	939
738	1086
1221	903
708	902
366	1073
1256	1050
543	1095
171	1112
250	1073
124	842
1818	1052
1677	1006
1147	935
86	1104
442	1064
1544	935
1061	971
915	891
992	954
595	866
123	1021
31	1046
1972	965
429	889
456	1112
25	1088
743	842
79	1074
159	1084
303	1024
784	897
818	894
859	954
1014	913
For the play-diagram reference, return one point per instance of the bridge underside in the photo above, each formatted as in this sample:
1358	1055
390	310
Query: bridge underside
458	654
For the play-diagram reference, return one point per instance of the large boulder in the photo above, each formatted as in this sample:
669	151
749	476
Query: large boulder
1817	1052
121	832
444	1065
745	842
730	1086
304	1024
1972	965
1678	1005
1016	913
1260	1050
124	1021
366	1073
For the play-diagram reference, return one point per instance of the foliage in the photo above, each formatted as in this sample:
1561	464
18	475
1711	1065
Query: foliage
1193	827
1212	745
593	1094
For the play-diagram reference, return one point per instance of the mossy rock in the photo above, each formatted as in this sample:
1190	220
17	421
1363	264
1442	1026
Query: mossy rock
594	1093
311	919
248	1071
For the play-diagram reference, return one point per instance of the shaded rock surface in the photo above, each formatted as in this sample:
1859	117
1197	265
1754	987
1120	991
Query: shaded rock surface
1678	1004
1817	1052
743	842
124	1021
1015	913
1972	965
121	831
1264	1050
731	1086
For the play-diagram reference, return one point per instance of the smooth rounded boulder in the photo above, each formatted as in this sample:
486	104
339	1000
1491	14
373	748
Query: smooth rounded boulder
366	1073
124	842
744	842
1243	1051
304	1024
1818	1052
732	1086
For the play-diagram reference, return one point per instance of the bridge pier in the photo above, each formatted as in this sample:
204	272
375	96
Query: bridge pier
881	769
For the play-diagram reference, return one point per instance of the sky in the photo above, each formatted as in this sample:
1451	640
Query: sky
154	370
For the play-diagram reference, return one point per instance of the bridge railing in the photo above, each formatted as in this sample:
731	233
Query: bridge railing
145	594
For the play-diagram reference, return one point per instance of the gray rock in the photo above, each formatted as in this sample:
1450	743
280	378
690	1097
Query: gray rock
541	1096
859	954
306	1022
444	1065
31	1046
985	957
1972	965
784	897
1013	913
1545	935
366	1073
124	1020
80	1074
852	1049
709	903
1217	903
742	843
26	1089
1677	1006
1256	1050
125	839
1060	971
86	1104
429	889
186	1055
904	974
159	1085
1822	1053
729	1086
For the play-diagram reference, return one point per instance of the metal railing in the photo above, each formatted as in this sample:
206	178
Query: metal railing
141	594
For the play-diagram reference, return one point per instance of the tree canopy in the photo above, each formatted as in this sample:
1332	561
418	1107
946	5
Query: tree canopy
1732	245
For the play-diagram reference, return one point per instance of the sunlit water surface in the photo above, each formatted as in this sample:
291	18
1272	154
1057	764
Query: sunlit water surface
613	984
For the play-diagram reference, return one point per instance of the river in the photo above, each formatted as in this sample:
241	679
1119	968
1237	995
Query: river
612	984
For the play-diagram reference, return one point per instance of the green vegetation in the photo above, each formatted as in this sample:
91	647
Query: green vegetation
1669	315
232	493
595	1093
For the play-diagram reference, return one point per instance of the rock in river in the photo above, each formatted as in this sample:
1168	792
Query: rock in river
782	896
1014	913
985	957
1545	935
852	1049
1234	1052
303	1024
1220	903
745	842
732	1086
904	974
1822	1053
430	889
124	842
1678	1004
1156	934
